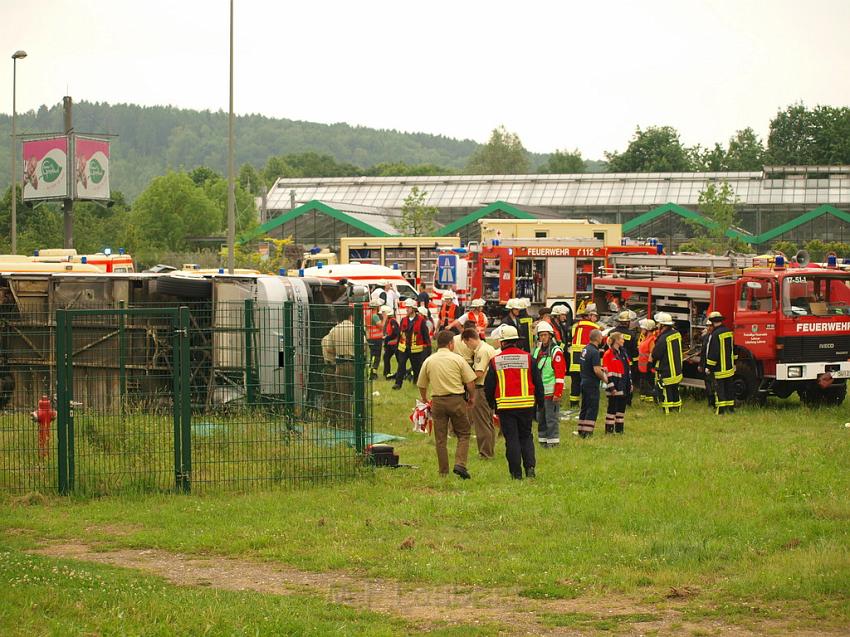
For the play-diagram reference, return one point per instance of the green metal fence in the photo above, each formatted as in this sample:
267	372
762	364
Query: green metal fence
200	398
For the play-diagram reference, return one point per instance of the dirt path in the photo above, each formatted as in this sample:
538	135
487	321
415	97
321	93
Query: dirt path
424	606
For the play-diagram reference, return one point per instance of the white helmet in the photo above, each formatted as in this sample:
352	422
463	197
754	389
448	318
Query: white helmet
513	304
448	294
625	316
477	303
410	303
664	318
508	333
386	309
590	308
543	326
559	310
423	310
647	324
524	303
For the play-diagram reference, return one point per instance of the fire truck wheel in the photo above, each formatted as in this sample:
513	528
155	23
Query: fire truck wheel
745	381
7	387
191	287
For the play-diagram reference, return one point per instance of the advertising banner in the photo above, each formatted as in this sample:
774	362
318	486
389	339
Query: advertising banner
46	168
91	173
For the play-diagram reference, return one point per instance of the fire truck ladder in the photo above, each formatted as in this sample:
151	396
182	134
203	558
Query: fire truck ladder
702	268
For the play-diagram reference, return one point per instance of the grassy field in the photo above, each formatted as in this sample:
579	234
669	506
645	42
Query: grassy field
739	521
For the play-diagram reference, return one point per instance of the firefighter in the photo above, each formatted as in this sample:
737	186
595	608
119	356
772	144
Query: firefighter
338	352
375	335
618	370
526	323
451	382
550	360
414	343
514	389
666	357
515	308
391	336
703	354
646	342
562	321
630	345
591	373
475	313
579	338
720	364
449	310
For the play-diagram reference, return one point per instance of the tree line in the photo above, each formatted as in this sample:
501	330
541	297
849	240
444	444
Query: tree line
151	141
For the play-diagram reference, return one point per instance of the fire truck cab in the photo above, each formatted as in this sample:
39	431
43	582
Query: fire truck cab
791	323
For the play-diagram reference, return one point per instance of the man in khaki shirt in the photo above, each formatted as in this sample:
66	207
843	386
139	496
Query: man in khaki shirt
338	352
450	379
482	414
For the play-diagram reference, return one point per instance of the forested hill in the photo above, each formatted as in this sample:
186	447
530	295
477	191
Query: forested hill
153	139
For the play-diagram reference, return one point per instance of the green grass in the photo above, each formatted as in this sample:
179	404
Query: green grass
751	510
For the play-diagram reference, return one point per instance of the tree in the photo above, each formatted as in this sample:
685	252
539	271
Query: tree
171	209
251	181
563	162
201	175
788	248
417	219
799	136
719	206
745	152
246	209
503	154
656	149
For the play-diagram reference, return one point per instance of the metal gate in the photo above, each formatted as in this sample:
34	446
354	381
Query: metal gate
122	400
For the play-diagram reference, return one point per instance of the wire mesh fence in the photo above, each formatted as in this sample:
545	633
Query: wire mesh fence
199	397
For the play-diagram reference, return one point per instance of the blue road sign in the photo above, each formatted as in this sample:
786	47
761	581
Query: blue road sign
447	269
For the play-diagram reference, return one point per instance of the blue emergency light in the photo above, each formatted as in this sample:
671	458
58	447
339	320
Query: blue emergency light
832	261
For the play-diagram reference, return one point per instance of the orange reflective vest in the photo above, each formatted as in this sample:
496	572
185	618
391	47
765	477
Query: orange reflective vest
448	313
375	331
645	344
581	337
514	384
480	320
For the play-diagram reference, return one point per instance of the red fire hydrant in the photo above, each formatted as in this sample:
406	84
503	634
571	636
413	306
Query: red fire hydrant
44	415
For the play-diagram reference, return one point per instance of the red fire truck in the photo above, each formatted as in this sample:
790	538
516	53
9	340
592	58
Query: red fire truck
545	271
791	321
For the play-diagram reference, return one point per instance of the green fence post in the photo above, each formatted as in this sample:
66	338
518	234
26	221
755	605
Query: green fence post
185	401
122	355
69	393
359	378
288	359
61	403
250	362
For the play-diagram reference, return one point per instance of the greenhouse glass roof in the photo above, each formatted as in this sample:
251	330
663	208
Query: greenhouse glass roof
776	185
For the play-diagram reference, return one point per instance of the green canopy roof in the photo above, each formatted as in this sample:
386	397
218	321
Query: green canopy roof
308	207
472	217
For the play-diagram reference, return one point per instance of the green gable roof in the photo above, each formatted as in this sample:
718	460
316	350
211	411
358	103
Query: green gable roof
690	215
807	217
312	206
472	217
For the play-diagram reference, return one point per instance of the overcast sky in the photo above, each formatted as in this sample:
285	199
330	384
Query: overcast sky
560	74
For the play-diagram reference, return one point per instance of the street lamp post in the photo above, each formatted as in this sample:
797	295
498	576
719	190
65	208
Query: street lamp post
17	55
231	177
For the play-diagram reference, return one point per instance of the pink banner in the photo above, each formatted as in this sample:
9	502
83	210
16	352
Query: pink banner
91	168
46	168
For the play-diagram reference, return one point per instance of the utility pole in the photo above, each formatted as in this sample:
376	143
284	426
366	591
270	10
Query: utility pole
17	55
231	177
68	203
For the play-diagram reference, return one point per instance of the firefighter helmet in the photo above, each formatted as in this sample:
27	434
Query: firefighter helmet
477	303
513	304
590	308
508	333
408	303
448	294
386	309
664	318
625	316
559	310
647	324
424	311
543	326
715	317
